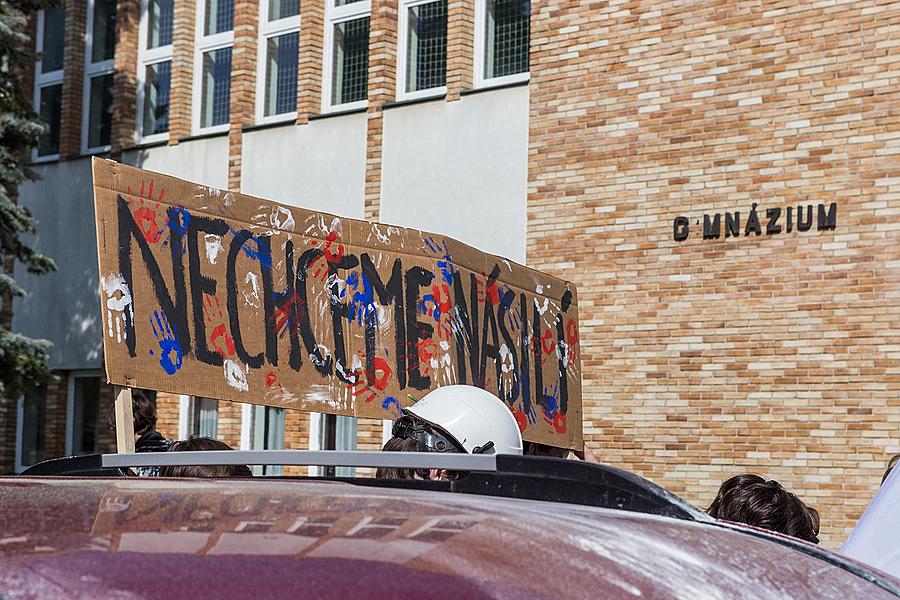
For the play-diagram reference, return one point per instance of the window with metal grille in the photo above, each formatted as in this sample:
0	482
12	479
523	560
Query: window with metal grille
48	76
155	72
212	69
267	434
351	61
219	16
100	45
346	72
277	67
426	46
216	94
506	36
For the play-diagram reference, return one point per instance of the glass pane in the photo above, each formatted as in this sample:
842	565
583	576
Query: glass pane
159	28
350	61
209	418
219	16
281	74
156	97
50	103
216	87
103	46
54	29
100	116
34	422
426	56
279	9
507	37
86	420
343	2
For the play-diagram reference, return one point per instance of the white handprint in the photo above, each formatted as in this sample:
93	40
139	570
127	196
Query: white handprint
118	300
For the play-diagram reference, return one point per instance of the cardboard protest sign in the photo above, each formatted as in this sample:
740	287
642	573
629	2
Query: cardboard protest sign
227	296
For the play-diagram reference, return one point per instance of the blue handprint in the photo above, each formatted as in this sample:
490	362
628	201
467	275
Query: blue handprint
444	263
168	345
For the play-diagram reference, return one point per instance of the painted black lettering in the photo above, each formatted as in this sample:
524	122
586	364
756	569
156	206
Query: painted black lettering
340	312
237	244
388	293
200	285
416	277
324	364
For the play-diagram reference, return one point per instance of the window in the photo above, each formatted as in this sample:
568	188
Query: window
502	41
154	70
346	74
212	69
31	427
202	417
83	414
48	80
422	38
99	50
279	33
332	432
268	434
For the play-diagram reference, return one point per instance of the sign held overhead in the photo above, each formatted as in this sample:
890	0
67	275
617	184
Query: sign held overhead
223	295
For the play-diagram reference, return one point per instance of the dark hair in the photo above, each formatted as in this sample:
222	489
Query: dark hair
752	500
196	443
890	467
144	414
537	449
397	444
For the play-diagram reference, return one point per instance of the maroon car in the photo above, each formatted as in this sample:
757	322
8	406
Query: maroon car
598	532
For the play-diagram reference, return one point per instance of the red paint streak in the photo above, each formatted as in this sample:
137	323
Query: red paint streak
146	221
572	332
559	423
441	295
271	378
379	365
522	420
426	350
217	332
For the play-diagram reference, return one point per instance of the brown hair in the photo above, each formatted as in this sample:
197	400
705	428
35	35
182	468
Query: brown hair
537	449
890	467
397	444
752	500
196	443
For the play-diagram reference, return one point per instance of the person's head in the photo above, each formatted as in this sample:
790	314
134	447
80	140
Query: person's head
536	449
890	466
196	443
461	418
144	413
399	444
752	500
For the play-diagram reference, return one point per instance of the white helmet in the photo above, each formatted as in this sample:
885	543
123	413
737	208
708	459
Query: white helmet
473	416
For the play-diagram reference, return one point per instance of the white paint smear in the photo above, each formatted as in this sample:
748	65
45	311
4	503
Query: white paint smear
118	300
251	290
236	375
282	218
213	247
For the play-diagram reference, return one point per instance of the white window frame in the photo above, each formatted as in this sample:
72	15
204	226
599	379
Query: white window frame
91	70
480	46
268	30
20	426
335	15
203	45
70	404
148	57
42	80
403	49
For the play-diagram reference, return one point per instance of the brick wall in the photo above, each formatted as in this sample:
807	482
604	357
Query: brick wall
777	354
182	82
168	409
73	79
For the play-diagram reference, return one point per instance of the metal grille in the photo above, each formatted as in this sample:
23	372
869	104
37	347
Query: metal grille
508	37
281	78
351	61
219	16
160	14
156	98
426	58
216	87
280	9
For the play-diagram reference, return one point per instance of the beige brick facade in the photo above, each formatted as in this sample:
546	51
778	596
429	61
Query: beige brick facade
777	354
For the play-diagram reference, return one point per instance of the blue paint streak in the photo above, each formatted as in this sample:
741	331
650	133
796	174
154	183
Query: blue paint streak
168	344
261	253
390	401
179	226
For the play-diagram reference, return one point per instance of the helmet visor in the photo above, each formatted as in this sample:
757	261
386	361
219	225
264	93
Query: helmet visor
427	438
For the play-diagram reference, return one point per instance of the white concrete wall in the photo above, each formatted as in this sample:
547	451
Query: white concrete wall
201	161
460	169
63	306
319	166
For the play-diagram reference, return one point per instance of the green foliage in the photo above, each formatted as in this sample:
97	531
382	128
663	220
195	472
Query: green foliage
23	360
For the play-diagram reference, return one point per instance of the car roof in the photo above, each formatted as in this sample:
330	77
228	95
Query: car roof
163	538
